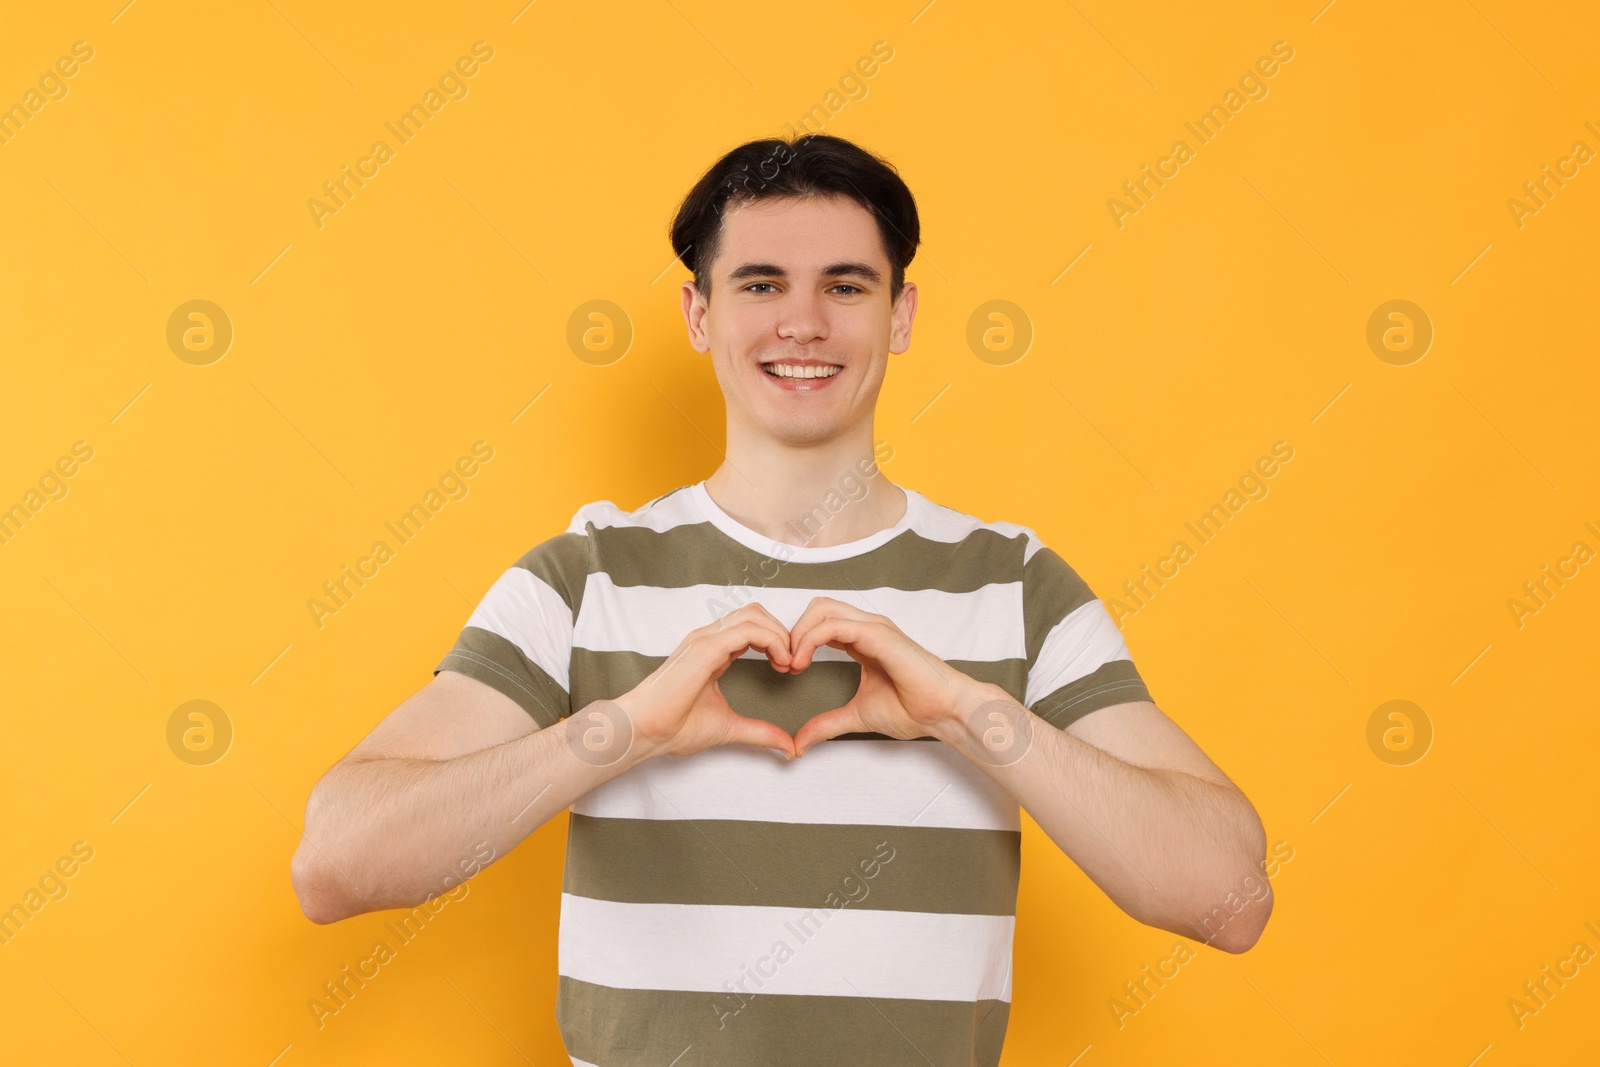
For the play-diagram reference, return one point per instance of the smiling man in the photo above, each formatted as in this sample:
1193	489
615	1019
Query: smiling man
795	830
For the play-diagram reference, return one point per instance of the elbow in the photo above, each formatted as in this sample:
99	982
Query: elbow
1233	915
318	894
1245	930
325	895
1247	926
1233	925
1248	923
1242	934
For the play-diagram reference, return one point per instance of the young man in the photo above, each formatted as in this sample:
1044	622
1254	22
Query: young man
794	708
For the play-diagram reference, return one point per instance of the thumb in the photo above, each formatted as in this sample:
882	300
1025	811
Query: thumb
746	731
826	725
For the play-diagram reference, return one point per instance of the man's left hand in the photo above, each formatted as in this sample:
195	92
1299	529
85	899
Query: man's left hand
906	691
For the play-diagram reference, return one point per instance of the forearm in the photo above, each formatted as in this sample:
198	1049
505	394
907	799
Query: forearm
1166	847
390	832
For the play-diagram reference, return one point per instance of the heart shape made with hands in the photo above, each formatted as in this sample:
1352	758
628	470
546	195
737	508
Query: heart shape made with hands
905	690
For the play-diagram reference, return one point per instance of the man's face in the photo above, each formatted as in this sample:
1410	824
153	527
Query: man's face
800	279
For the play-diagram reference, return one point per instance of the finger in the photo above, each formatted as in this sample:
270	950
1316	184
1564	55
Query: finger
725	645
707	651
821	607
759	610
729	623
817	608
828	724
747	731
751	612
853	634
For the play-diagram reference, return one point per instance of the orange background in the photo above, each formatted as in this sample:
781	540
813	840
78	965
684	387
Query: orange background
432	309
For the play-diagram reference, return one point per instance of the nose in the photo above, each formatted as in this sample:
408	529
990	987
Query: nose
802	317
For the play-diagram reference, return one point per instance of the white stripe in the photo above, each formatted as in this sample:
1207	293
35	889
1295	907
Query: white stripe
676	509
582	1063
858	783
810	525
522	608
932	521
832	952
1074	648
985	624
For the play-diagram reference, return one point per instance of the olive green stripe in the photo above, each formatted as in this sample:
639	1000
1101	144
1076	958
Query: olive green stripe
1114	682
496	662
700	554
1052	590
793	865
754	689
655	1027
563	563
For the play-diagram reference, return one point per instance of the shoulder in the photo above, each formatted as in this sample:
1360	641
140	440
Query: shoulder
565	560
603	530
1017	543
669	509
1050	585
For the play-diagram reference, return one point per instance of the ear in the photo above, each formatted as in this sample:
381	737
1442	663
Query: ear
900	317
695	308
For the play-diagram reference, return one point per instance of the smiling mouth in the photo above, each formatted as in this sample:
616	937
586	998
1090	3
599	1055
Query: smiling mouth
799	372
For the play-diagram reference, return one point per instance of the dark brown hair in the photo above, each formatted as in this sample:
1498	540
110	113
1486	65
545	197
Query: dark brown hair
814	164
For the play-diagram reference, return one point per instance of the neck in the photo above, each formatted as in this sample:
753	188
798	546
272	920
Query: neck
814	495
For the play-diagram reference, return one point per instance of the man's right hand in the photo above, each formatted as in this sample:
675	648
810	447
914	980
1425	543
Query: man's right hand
679	709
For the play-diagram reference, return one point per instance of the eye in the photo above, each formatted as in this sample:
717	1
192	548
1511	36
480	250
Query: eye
847	285
753	285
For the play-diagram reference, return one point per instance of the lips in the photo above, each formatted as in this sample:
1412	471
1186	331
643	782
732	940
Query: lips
798	383
800	371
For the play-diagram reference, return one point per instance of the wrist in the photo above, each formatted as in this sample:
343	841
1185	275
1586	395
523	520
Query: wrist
606	734
988	725
971	699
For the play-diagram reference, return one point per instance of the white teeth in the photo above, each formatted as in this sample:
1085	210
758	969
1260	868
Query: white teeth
787	370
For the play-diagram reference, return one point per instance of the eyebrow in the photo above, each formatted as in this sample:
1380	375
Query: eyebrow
834	270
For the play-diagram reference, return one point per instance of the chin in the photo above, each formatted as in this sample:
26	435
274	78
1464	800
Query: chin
802	432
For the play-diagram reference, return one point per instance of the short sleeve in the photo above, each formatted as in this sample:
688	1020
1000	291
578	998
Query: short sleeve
1077	660
518	639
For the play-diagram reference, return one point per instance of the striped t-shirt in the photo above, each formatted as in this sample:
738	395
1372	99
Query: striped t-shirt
853	906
